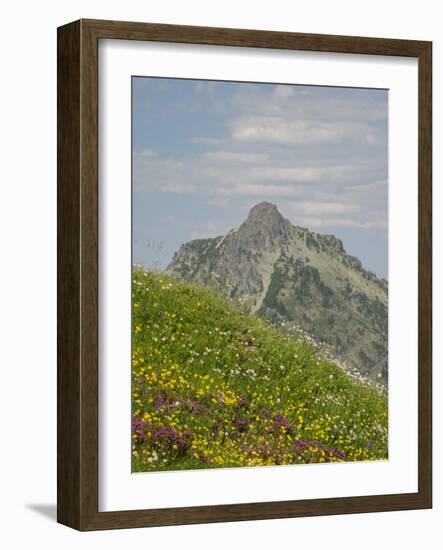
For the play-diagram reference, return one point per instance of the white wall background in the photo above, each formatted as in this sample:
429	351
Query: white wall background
28	272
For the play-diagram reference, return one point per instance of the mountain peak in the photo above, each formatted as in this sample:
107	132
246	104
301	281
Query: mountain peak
264	209
265	220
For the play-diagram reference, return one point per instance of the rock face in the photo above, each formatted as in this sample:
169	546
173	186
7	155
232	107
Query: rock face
298	280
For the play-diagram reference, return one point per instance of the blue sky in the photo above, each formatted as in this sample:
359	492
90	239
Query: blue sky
204	152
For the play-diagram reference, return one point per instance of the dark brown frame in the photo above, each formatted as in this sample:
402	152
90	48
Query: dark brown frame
77	456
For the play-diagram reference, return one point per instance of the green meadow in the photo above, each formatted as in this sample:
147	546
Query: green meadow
213	387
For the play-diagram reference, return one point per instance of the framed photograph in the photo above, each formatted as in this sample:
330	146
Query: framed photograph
244	274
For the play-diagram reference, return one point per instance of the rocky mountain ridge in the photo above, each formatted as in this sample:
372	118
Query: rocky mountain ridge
296	278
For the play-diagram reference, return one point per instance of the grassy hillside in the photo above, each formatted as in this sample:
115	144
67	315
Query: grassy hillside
213	387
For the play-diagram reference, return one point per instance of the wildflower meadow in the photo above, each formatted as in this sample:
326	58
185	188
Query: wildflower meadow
213	387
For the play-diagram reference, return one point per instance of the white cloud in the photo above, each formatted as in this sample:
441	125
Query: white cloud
147	153
283	92
231	156
266	191
226	173
371	186
318	208
325	159
320	222
281	131
204	140
312	173
178	188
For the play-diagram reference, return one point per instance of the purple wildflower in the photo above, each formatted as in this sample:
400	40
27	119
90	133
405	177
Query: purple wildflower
241	424
331	453
139	428
170	437
280	424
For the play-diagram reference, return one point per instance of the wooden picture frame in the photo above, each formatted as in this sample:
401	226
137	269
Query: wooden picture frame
78	244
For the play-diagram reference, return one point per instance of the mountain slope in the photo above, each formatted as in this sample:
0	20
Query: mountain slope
296	278
214	387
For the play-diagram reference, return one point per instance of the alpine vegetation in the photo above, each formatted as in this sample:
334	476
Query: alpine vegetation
214	386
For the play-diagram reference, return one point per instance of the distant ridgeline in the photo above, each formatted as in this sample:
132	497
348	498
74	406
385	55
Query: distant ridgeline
300	281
